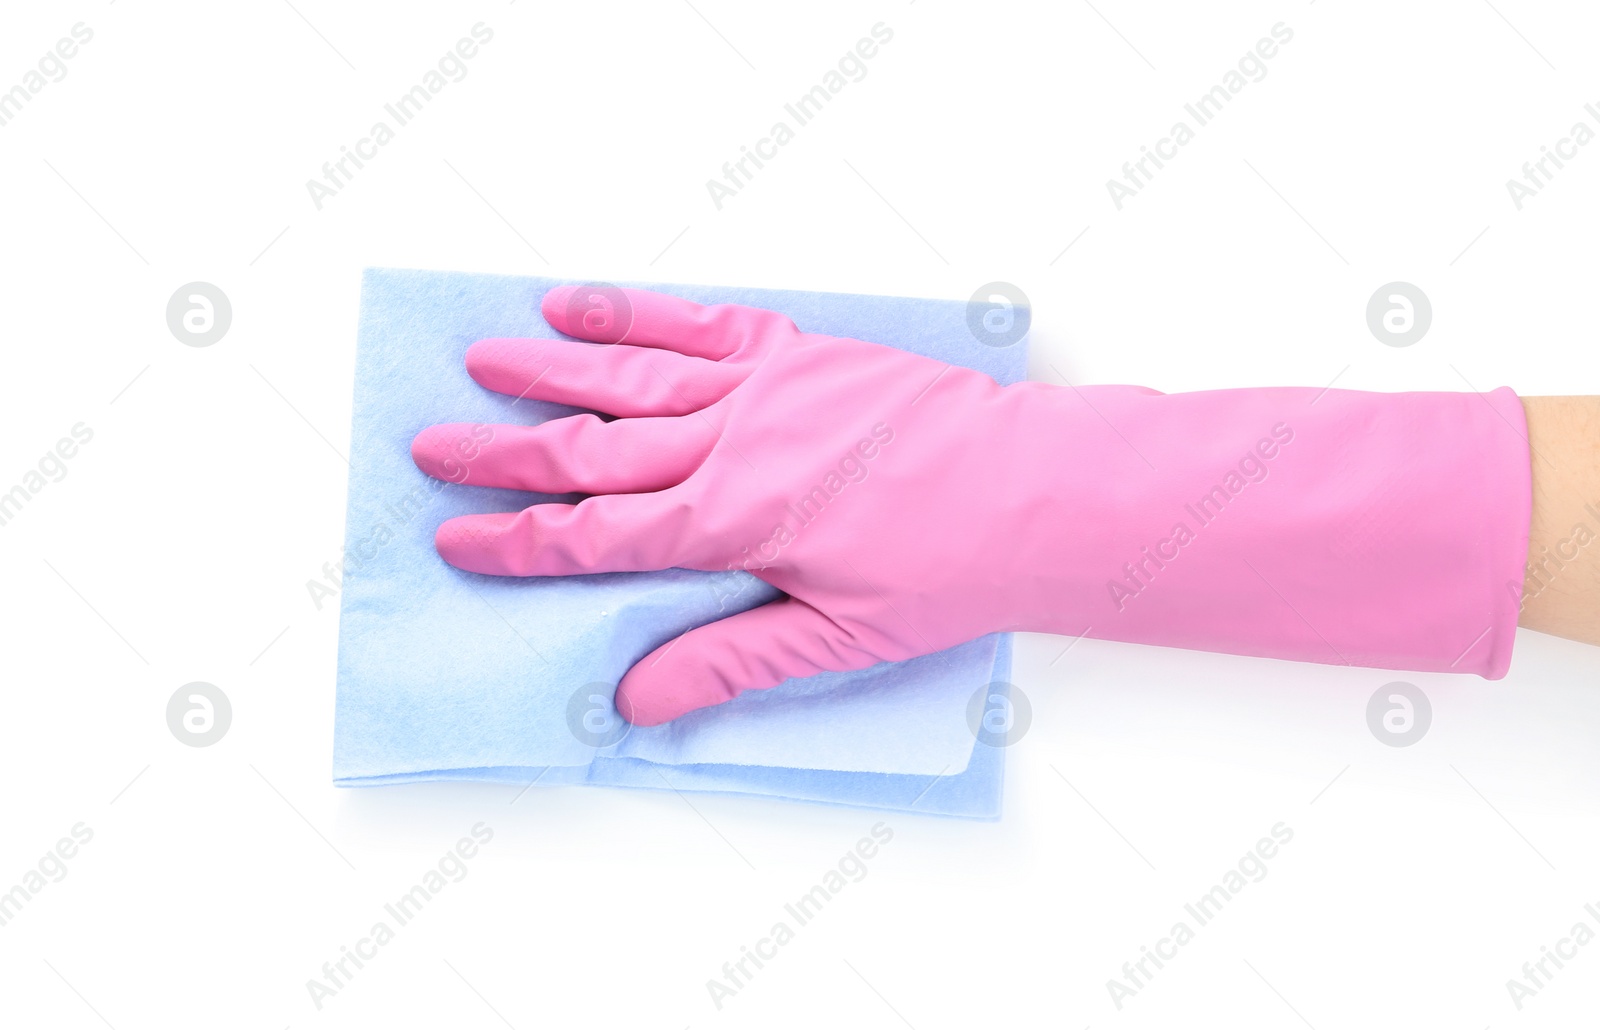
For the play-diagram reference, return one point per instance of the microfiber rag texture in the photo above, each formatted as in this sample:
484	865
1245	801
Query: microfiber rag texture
445	674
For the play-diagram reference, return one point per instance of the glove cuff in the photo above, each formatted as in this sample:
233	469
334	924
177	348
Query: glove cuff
1340	526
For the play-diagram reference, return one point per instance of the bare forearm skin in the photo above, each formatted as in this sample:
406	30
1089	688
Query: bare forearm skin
1561	591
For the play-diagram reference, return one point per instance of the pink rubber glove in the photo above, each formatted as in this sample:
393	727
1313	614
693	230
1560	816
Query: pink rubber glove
905	505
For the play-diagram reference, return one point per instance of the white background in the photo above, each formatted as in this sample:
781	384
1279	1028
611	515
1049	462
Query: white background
220	879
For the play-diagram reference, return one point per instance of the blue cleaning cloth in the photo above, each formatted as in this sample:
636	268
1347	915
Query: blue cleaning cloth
974	792
445	674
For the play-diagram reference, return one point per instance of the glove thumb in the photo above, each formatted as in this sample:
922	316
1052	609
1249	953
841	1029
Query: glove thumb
753	650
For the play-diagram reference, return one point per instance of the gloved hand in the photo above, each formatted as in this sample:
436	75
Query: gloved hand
905	505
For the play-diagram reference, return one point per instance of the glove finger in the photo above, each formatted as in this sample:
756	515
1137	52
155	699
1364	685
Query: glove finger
609	533
626	381
753	650
578	454
648	319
